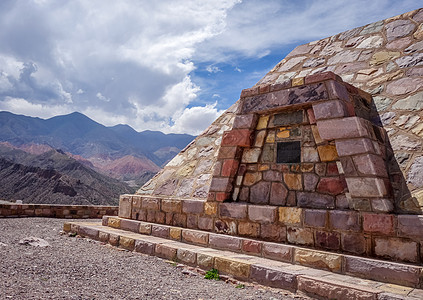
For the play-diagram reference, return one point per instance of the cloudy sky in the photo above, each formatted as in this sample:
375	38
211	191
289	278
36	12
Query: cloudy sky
168	65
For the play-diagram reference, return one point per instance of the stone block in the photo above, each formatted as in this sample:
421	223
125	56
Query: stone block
237	137
328	240
223	184
315	218
337	90
260	192
229	167
262	214
329	110
251	246
151	204
173	206
210	208
310	181
136	201
330	289
290	215
195	237
88	232
187	257
278	252
165	251
125	207
344	220
401	274
205	261
228	152
114	239
366	187
245	121
397	249
225	226
410	226
378	223
113	222
354	146
193	206
348	166
249	229
103	237
293	181
353	243
370	164
327	153
160	231
323	76
309	155
300	236
251	178
130	225
331	185
233	210
319	260
175	233
278	193
273	232
225	242
179	220
262	122
127	243
144	247
274	277
235	268
250	92
315	200
351	127
382	205
251	155
205	223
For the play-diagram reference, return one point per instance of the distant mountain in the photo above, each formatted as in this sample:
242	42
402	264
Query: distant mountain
89	141
54	177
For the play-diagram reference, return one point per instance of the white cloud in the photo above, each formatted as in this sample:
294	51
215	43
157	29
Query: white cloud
22	106
213	69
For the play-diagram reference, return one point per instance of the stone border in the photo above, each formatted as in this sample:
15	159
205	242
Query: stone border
57	211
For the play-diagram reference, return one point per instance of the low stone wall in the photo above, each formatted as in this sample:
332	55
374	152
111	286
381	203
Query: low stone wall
389	236
57	211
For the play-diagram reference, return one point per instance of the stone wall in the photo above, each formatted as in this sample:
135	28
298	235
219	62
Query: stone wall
57	211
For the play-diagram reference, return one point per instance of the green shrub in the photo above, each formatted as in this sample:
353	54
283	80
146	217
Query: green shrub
213	274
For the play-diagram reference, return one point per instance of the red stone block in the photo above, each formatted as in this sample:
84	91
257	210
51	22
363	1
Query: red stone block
274	278
353	243
192	206
160	231
192	221
179	220
222	196
165	251
322	77
172	206
233	210
278	193
273	232
311	116
224	242
264	88
315	218
370	164
329	110
211	196
337	90
410	226
245	121
129	225
331	185
205	223
344	220
354	146
228	152
351	127
380	223
237	137
278	251
144	247
262	214
250	92
280	86
328	240
332	169
230	167
148	203
251	246
195	237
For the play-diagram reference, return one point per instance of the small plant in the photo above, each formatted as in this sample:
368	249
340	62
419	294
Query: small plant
240	286
213	274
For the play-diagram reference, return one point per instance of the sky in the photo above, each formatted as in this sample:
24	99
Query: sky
168	65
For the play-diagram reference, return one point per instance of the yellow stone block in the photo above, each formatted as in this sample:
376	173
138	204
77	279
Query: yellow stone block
316	134
270	137
293	181
263	167
418	130
260	136
232	267
251	178
298	81
382	57
210	208
307	167
186	170
113	222
145	228
283	132
67	227
290	215
327	153
262	122
175	233
320	260
127	242
395	289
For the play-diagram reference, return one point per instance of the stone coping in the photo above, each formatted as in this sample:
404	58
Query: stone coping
265	271
57	211
367	268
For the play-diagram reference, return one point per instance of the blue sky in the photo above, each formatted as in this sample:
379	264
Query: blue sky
169	65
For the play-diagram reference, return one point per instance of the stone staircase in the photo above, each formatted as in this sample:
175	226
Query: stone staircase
316	273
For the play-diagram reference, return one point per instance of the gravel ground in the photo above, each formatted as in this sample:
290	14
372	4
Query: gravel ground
79	268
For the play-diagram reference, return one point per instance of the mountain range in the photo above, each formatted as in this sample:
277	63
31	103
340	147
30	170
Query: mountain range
76	142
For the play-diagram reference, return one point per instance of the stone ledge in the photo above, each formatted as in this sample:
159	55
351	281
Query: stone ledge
245	267
57	211
408	275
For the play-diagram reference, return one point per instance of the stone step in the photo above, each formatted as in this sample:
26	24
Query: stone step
366	268
266	271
